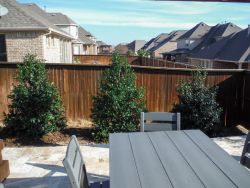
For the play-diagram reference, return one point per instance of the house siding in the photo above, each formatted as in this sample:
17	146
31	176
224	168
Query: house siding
57	49
51	48
188	43
18	44
170	46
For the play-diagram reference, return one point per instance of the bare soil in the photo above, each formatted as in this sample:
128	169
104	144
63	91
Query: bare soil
83	130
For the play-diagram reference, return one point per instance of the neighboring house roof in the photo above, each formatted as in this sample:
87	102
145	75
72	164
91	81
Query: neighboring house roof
177	51
22	18
215	34
122	48
101	43
60	19
196	32
211	51
155	41
82	37
173	36
86	33
136	45
235	47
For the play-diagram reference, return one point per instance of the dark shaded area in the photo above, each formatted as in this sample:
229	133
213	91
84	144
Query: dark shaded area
3	53
84	136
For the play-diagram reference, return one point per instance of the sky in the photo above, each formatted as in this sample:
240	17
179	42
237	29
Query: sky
122	21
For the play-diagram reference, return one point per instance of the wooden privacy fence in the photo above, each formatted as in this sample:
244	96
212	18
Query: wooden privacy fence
133	60
79	83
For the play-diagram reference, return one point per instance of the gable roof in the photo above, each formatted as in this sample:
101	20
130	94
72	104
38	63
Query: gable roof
148	44
211	51
136	45
216	33
173	36
84	32
121	48
22	17
235	47
196	32
101	43
82	37
155	41
60	19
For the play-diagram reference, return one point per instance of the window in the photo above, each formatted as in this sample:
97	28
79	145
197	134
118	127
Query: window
3	53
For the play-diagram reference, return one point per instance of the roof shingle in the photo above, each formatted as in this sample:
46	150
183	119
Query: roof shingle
196	32
26	17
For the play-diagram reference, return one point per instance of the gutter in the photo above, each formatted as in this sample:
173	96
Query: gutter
37	29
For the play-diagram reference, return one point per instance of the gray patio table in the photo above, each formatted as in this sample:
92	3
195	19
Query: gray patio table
176	159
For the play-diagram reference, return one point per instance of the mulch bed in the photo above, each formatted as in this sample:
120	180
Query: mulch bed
82	129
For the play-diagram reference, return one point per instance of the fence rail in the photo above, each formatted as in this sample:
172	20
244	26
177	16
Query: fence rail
133	60
77	85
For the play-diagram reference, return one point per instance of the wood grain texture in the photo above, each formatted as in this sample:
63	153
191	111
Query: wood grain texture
77	85
172	159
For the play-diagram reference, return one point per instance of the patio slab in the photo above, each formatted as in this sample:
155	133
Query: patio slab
41	167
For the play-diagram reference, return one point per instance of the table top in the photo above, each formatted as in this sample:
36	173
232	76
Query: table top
176	159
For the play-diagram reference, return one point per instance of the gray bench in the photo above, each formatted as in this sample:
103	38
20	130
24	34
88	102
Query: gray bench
245	157
75	167
160	121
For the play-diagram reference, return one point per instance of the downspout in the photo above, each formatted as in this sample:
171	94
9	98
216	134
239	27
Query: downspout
239	65
44	45
48	33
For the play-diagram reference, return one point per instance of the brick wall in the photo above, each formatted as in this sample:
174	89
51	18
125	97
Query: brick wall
19	44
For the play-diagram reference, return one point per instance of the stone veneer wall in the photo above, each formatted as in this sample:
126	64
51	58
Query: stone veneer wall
19	44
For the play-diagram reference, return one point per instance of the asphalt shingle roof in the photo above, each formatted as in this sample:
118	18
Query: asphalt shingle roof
173	36
196	32
82	37
101	43
60	19
26	17
216	33
155	41
235	47
136	45
17	17
86	33
211	51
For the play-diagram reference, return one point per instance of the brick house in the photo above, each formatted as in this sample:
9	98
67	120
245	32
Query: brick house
84	42
26	29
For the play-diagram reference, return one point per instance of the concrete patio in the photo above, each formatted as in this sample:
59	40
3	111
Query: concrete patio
41	167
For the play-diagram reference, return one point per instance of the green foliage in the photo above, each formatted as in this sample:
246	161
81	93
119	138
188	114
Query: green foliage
130	53
36	107
77	60
118	104
143	53
198	106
